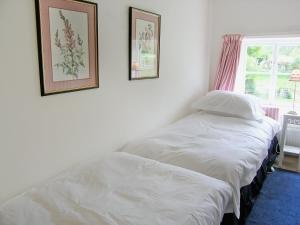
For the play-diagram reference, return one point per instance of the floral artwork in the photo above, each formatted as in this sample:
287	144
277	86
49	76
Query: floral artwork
68	44
144	44
67	33
71	49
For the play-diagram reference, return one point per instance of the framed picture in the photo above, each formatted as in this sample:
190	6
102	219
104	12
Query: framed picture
144	44
67	33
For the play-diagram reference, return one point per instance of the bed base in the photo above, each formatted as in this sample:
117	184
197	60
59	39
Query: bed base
250	192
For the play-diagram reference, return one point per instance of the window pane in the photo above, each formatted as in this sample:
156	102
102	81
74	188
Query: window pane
288	60
258	85
285	94
258	70
259	58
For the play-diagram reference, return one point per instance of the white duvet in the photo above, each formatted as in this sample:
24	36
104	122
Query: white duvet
226	148
122	189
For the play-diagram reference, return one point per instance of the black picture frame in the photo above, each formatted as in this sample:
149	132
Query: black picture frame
93	78
154	18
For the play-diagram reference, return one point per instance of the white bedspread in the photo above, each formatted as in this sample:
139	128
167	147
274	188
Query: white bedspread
122	189
227	148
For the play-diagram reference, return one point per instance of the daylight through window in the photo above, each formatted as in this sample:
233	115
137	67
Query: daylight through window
265	68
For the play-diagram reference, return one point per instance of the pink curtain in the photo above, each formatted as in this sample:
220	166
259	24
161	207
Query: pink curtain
271	111
229	61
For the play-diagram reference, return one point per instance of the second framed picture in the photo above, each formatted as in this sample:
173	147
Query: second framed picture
144	44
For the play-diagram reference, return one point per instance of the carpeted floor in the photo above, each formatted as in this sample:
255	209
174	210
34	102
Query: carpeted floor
279	200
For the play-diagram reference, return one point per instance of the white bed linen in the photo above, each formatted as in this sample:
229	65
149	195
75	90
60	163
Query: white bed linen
227	148
122	189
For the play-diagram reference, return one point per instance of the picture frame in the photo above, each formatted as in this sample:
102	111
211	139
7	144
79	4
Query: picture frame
144	44
67	35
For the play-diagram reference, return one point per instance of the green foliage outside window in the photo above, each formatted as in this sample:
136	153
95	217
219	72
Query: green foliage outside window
259	70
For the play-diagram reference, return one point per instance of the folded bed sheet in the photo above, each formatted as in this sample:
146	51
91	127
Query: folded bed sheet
121	189
227	148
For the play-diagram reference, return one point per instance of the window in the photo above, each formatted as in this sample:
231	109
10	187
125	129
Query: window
265	67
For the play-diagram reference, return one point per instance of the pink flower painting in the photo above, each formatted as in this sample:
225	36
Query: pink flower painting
71	49
67	45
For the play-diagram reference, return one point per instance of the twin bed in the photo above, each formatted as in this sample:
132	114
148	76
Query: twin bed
122	189
194	171
229	149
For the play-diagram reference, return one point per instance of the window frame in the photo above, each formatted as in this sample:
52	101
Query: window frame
276	43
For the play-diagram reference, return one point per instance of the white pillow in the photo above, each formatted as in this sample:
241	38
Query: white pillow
231	104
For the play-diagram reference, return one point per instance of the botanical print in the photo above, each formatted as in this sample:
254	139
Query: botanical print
69	41
146	53
144	44
71	50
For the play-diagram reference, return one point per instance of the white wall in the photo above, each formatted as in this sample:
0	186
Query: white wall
250	17
40	136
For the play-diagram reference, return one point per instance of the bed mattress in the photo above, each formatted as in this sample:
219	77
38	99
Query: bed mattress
121	189
227	148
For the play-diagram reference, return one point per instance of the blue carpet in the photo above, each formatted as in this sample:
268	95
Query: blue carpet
279	200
